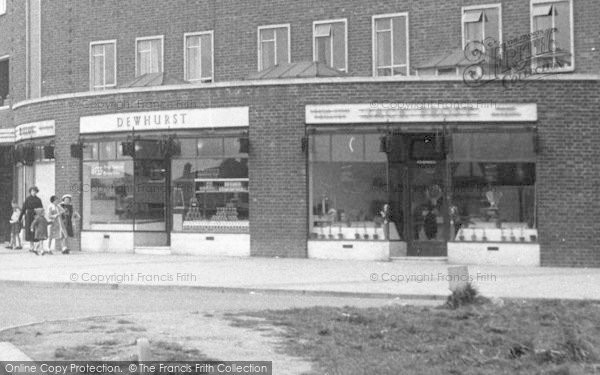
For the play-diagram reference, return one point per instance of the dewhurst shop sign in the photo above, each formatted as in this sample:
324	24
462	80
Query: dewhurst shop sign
166	120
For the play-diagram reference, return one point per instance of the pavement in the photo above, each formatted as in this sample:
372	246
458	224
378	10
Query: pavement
402	279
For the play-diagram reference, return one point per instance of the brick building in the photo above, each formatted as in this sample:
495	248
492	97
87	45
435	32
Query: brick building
330	129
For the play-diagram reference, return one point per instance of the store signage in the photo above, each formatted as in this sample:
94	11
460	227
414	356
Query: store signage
7	136
112	170
166	120
419	112
34	130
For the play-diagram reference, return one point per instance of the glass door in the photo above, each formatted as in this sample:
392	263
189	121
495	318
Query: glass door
151	197
427	227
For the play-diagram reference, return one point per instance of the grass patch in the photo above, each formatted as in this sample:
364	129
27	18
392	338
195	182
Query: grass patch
469	335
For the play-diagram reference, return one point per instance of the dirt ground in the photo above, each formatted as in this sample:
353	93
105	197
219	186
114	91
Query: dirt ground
174	336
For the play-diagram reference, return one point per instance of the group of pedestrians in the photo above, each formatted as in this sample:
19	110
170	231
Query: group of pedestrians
44	232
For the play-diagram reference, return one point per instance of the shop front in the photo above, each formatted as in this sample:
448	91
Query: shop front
455	183
34	160
166	182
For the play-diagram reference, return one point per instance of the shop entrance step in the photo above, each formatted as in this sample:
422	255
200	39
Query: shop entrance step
420	259
153	250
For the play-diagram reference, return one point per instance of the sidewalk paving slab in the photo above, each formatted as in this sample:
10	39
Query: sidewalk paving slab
412	279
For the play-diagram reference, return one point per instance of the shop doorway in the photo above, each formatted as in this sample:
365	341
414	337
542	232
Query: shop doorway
418	180
150	202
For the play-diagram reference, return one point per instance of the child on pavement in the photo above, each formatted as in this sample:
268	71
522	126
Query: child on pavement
15	228
39	227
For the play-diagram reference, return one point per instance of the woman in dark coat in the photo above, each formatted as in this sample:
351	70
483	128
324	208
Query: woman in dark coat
31	203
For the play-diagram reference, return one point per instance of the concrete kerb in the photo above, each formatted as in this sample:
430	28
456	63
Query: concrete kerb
271	291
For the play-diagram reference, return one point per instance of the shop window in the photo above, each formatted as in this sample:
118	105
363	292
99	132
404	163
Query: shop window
108	195
273	46
493	187
199	57
481	23
103	65
329	43
149	55
348	177
552	35
390	41
210	187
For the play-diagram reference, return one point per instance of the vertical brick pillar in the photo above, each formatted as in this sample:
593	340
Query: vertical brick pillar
67	169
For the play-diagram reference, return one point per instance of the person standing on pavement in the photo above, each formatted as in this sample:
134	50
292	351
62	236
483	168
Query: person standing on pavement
56	229
68	215
28	212
39	227
15	227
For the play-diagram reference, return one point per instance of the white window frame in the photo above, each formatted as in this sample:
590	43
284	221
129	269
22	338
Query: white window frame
572	31
274	27
339	20
374	43
162	57
105	86
466	9
212	56
3	7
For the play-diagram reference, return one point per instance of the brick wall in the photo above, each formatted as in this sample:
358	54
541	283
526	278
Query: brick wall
70	25
568	175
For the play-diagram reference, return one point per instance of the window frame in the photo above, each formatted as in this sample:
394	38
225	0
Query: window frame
331	22
104	86
259	42
162	56
374	42
482	8
212	56
532	4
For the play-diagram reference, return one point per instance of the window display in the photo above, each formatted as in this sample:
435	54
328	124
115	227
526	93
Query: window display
493	186
494	202
349	188
108	195
210	187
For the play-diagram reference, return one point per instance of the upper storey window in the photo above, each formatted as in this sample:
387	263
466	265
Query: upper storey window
149	55
103	64
273	45
199	57
552	35
480	23
330	43
390	45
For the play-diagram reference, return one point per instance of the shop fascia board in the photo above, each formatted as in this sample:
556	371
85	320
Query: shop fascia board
281	82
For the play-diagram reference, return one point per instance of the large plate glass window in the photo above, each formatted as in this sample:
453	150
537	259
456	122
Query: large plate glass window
210	186
493	180
107	188
348	175
390	45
